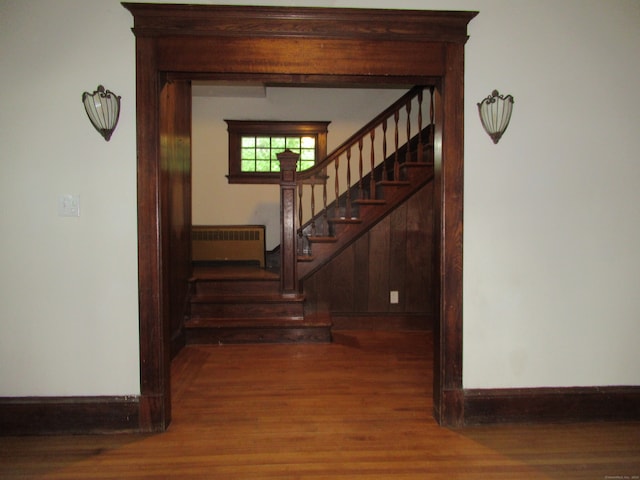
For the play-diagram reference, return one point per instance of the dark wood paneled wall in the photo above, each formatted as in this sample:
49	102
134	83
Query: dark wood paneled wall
396	254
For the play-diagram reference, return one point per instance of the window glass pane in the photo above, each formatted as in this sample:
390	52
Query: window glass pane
263	142
248	142
308	142
248	166
293	143
263	153
306	154
248	154
257	150
263	166
278	143
305	164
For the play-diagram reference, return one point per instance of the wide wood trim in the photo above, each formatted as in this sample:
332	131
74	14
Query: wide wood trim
449	205
300	22
574	404
68	415
312	57
262	43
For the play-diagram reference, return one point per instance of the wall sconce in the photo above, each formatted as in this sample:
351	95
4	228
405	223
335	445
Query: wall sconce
103	109
495	113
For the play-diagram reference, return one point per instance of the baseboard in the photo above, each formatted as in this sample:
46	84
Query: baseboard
381	321
535	405
68	415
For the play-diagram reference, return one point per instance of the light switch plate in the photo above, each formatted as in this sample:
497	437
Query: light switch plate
69	205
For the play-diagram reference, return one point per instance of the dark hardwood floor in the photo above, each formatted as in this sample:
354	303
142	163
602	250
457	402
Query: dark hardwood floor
359	408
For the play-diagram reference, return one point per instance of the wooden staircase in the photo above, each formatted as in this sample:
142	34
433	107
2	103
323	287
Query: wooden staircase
253	305
244	305
345	230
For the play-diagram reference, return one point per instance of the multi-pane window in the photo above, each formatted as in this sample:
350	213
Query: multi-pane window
254	147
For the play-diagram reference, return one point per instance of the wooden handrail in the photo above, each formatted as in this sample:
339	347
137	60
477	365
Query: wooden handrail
319	168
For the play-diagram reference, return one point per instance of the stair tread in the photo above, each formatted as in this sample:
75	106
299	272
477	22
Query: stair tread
345	220
394	183
370	201
258	322
246	298
416	164
322	239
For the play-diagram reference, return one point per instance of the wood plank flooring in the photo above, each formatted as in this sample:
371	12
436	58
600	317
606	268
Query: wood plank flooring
359	408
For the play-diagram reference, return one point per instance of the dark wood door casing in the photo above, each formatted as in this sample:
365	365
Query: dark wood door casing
295	46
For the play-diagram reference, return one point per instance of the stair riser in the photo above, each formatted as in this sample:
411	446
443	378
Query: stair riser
233	310
246	287
231	335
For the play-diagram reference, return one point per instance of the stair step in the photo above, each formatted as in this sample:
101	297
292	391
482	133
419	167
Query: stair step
322	239
413	170
234	281
352	220
236	287
370	201
257	322
251	298
257	330
390	193
237	306
394	183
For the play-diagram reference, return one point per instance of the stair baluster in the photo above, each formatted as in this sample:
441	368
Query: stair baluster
408	154
384	149
313	209
420	158
360	167
396	162
300	246
347	206
336	212
372	182
325	211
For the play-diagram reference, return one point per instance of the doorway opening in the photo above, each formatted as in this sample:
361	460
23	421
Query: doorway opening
295	46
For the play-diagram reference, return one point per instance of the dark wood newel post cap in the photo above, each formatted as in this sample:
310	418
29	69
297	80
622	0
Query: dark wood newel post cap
288	162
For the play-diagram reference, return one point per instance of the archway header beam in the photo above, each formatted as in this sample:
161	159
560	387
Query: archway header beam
299	22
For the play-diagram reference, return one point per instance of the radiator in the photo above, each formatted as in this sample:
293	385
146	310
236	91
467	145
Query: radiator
231	243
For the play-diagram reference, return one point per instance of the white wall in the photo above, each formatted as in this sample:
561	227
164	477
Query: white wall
552	220
68	286
552	213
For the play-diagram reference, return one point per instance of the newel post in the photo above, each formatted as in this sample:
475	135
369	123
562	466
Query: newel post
288	236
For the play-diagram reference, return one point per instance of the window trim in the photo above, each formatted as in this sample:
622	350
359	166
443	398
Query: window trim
269	128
